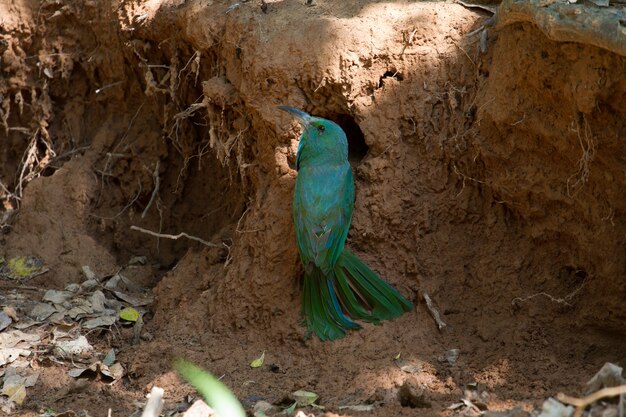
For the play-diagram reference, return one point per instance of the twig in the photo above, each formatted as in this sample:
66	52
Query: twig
106	87
582	403
434	312
157	182
176	237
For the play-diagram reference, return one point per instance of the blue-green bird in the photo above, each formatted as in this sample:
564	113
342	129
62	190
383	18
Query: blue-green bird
338	286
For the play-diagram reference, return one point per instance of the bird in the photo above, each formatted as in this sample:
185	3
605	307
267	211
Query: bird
338	288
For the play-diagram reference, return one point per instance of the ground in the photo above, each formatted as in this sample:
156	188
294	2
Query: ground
489	166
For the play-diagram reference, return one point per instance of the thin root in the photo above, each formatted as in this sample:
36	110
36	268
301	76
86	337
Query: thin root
176	237
566	301
155	192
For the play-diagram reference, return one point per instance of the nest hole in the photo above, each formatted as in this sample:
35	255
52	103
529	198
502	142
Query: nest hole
357	148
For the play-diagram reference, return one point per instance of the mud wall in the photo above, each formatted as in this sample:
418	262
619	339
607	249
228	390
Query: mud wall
490	180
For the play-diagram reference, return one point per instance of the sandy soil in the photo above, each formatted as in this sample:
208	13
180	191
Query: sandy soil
490	180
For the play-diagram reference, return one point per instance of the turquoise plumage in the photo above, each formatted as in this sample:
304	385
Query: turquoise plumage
338	287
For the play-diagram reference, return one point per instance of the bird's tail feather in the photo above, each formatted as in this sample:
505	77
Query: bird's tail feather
378	300
352	288
321	308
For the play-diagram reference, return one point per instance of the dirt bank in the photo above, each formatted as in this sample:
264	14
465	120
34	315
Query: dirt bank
491	181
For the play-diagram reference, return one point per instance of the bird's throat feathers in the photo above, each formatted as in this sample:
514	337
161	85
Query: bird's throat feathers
322	143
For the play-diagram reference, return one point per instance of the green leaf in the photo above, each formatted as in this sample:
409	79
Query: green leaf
304	398
216	394
291	409
129	314
258	362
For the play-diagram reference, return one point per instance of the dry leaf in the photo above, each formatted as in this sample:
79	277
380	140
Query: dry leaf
304	398
258	362
5	320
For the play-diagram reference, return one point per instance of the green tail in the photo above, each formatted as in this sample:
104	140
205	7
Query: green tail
353	290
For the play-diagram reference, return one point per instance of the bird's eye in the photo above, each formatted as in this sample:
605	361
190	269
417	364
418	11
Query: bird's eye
320	128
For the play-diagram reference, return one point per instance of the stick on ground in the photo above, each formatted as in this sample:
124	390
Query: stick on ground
434	312
582	403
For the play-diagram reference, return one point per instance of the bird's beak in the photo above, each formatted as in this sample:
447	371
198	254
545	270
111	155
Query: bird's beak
303	117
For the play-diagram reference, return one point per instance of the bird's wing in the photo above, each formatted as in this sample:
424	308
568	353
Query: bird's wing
323	203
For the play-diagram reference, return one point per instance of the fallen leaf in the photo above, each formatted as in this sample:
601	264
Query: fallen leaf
5	320
14	387
409	368
304	398
73	288
291	409
199	409
553	408
74	347
99	322
112	283
25	324
81	309
258	362
120	282
97	301
76	372
89	284
109	359
610	375
63	331
42	311
22	267
58	317
8	355
31	379
17	394
134	300
13	337
262	408
115	371
129	314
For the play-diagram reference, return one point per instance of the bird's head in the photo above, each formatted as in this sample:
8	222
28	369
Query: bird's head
322	141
